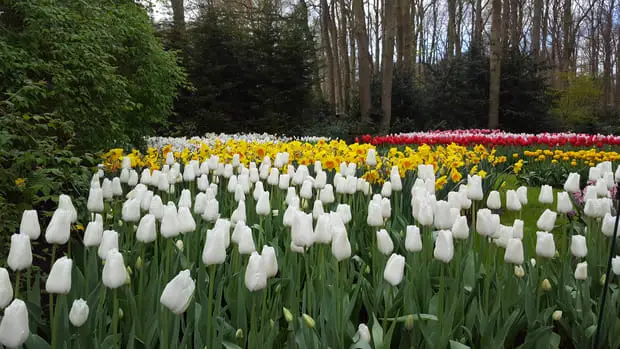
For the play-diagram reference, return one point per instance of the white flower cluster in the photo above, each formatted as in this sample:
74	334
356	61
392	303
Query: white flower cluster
179	143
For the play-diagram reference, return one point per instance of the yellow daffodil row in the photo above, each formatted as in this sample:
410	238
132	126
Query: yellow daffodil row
589	157
451	161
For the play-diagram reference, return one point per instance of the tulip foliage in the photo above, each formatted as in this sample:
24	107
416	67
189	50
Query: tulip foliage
213	254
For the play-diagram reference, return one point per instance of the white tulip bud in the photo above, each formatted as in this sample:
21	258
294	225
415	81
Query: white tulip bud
78	313
59	279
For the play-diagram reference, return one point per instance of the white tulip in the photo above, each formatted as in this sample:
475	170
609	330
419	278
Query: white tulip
578	246
109	241
14	330
474	188
522	194
20	252
545	245
581	272
384	242
59	229
255	274
326	195
29	224
512	201
572	183
114	272
270	262
341	247
460	228
444	246
565	205
546	194
413	240
214	251
78	313
546	221
178	292
394	269
493	201
6	288
59	279
170	226
514	252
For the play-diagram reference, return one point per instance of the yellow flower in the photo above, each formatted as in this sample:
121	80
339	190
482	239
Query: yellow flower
455	175
440	182
482	173
20	182
515	155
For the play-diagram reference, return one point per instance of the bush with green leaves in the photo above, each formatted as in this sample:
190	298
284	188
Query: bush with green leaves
96	64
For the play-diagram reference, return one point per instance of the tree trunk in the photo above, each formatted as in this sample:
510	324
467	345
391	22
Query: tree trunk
337	61
545	29
329	55
346	68
505	23
515	30
607	47
617	91
408	35
399	32
377	36
416	29
178	18
431	54
353	51
594	45
459	22
451	28
479	26
387	65
363	59
568	39
495	63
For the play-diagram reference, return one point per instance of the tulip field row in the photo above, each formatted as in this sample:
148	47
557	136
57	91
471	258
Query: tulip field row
239	243
494	138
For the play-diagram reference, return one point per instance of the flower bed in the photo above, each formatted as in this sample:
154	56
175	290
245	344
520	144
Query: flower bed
494	138
246	244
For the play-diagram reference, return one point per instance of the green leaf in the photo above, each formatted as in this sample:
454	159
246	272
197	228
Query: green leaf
415	317
36	342
458	345
229	345
377	332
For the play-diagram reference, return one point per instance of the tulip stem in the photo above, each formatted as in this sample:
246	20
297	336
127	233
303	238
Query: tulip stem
51	301
210	301
18	275
115	317
442	293
142	271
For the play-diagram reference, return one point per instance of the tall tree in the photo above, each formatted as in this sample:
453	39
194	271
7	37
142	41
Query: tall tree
607	53
363	56
617	92
387	64
178	18
451	28
515	29
344	49
536	19
495	63
329	54
333	32
478	26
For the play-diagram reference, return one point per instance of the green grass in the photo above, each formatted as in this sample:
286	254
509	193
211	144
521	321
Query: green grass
530	212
